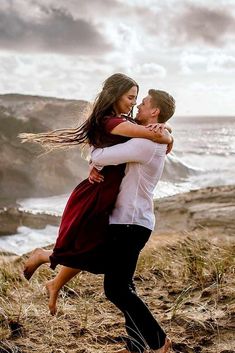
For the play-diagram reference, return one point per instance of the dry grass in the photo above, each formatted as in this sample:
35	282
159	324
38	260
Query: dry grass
189	286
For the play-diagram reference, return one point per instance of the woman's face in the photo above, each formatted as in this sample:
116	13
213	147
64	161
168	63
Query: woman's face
126	102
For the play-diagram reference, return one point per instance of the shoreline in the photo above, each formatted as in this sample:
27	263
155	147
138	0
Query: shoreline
208	209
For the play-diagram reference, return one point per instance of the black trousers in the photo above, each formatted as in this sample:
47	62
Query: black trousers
124	245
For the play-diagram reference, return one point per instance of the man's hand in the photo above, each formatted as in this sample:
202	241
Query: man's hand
170	146
95	176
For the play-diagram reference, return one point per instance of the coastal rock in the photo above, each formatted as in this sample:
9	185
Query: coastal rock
212	207
25	171
11	218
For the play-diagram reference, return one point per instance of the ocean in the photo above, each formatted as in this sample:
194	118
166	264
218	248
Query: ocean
203	155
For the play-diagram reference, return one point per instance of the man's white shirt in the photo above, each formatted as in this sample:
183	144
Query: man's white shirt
145	162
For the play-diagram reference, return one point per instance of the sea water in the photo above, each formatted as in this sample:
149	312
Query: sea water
203	155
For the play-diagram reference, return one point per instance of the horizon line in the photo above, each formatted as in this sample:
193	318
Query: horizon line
85	100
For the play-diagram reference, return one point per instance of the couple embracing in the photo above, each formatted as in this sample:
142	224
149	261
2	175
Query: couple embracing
109	217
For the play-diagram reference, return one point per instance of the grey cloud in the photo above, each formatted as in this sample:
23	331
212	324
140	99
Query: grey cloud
57	32
201	24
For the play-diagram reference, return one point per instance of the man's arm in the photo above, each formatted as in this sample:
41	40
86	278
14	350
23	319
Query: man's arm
135	150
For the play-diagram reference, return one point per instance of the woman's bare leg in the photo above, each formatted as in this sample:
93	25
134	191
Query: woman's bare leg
53	286
38	257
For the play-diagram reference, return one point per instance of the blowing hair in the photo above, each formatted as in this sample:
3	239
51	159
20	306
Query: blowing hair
165	102
91	131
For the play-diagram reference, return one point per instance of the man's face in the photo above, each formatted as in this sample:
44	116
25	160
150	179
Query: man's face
145	110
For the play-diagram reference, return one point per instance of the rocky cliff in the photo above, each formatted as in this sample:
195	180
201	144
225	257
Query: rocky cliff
22	172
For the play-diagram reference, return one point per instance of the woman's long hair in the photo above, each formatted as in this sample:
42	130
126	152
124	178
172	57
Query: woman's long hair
91	131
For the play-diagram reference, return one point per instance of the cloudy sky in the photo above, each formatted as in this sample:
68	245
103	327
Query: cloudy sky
67	48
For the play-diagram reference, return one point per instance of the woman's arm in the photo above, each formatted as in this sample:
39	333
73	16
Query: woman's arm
133	130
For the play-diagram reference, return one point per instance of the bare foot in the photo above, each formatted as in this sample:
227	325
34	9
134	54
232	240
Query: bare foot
166	348
53	295
36	259
167	345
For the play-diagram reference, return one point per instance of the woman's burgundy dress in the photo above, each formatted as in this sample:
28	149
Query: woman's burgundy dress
81	239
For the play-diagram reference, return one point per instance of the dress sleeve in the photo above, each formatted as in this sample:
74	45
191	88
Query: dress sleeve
111	122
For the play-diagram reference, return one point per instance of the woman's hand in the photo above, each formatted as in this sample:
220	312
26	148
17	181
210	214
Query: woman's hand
158	127
157	130
95	176
162	135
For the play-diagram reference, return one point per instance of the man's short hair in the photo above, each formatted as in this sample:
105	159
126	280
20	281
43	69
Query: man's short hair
165	102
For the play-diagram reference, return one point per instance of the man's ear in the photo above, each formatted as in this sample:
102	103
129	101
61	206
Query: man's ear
155	112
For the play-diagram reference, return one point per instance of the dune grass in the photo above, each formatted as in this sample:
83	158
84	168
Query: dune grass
189	285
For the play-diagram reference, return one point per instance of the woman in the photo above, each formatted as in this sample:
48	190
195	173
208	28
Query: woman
80	242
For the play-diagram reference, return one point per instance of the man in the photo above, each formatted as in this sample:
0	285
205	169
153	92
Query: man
132	221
